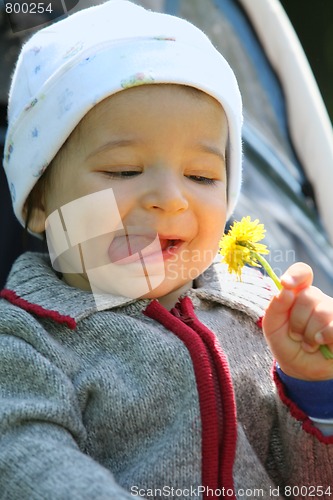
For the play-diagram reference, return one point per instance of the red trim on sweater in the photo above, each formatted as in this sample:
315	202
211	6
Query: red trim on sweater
229	434
208	360
259	322
12	297
297	413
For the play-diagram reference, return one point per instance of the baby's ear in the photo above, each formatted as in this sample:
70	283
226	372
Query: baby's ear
34	215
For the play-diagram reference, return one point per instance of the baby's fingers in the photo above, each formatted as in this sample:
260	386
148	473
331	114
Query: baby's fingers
277	313
323	339
319	327
304	319
317	307
324	335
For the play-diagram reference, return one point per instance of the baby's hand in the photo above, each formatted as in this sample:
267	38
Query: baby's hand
297	321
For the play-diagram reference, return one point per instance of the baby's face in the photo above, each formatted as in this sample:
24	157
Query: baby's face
153	157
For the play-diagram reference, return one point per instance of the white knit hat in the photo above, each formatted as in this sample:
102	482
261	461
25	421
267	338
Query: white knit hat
67	68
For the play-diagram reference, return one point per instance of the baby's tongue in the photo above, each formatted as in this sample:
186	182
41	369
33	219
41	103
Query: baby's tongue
126	246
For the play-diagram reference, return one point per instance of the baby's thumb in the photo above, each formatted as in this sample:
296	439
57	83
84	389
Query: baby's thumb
297	277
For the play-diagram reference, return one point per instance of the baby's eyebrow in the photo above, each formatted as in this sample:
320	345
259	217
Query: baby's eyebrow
202	147
112	144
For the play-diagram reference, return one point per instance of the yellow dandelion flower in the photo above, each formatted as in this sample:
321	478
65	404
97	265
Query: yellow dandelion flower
240	246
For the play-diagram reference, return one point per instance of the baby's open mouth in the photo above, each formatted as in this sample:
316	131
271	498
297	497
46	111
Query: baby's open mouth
128	248
169	244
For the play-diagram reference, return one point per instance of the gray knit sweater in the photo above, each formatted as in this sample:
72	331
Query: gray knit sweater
136	400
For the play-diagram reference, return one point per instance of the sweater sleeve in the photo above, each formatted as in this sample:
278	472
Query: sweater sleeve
307	452
314	398
42	436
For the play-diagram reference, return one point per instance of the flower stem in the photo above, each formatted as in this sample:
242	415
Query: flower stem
268	269
323	348
326	352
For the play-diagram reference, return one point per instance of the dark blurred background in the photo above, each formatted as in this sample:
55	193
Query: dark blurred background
313	23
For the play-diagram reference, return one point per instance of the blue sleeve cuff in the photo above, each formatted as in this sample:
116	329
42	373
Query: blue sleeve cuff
314	398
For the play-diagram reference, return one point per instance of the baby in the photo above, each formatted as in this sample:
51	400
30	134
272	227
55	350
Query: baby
132	364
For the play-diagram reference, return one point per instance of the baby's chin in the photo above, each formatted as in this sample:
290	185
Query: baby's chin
168	298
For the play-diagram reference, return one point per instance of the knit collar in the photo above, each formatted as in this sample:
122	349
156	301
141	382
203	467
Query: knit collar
33	285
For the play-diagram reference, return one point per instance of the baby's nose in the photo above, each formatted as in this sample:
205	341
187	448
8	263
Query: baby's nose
166	192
